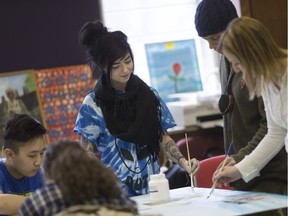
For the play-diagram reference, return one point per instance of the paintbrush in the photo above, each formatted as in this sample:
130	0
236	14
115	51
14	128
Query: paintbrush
215	183
221	168
188	155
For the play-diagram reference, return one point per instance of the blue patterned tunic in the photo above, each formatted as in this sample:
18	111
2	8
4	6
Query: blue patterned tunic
130	162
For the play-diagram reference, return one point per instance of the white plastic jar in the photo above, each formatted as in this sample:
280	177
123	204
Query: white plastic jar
159	188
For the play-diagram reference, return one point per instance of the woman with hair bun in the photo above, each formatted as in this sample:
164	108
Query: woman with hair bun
123	118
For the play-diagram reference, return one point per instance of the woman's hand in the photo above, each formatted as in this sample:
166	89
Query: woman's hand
195	167
229	161
228	174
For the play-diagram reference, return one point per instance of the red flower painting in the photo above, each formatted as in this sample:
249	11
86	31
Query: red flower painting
176	70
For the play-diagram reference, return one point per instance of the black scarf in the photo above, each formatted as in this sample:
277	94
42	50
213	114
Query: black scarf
134	116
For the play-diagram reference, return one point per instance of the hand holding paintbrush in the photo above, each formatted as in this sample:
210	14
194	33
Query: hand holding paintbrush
221	168
190	165
215	182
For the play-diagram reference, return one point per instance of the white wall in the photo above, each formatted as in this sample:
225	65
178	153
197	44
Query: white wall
237	5
152	21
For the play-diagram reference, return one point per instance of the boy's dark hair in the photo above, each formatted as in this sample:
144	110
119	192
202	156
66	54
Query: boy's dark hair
20	129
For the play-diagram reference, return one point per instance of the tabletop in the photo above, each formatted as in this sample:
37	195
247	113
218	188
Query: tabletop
221	202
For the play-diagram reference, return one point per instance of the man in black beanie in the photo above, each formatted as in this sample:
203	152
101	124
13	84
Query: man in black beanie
244	120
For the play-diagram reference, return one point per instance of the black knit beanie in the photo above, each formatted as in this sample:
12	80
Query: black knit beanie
213	16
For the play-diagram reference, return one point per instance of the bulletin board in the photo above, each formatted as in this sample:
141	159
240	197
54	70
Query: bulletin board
61	92
18	95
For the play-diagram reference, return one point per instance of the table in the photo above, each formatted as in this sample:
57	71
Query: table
185	201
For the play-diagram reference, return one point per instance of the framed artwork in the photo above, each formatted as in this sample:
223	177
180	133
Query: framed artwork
173	67
62	91
19	94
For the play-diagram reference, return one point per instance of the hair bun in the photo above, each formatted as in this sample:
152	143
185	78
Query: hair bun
91	32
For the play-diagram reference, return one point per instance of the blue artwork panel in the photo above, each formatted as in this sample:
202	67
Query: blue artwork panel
173	67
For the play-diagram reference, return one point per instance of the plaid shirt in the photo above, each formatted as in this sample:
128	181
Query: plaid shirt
48	201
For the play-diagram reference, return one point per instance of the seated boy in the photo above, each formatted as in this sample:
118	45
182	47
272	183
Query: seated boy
20	173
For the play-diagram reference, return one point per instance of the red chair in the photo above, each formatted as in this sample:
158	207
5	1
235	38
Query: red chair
207	168
202	145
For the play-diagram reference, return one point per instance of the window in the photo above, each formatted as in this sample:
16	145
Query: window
159	21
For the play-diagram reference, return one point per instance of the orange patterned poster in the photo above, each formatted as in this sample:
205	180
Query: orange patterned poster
61	92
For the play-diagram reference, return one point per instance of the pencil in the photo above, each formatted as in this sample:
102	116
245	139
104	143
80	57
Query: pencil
188	155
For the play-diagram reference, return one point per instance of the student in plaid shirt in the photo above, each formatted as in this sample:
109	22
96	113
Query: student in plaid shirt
73	178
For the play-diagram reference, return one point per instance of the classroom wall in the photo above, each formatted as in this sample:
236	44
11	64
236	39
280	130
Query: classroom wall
273	14
150	21
37	34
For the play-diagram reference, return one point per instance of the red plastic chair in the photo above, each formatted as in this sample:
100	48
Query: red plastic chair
202	146
207	168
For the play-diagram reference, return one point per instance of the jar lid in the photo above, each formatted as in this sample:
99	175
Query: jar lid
157	176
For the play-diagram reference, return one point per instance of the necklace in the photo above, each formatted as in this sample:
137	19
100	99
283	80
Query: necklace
226	100
122	159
